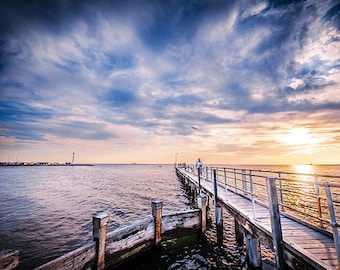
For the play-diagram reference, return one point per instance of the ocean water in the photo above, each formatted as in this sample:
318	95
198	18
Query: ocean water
47	211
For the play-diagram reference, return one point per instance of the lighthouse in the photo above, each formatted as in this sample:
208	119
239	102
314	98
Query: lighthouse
72	163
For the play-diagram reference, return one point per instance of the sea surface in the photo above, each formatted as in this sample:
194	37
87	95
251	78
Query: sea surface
46	211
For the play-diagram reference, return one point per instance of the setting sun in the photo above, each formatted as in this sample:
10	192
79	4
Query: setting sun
298	136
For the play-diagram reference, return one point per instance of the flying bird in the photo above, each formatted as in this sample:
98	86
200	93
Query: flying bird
194	127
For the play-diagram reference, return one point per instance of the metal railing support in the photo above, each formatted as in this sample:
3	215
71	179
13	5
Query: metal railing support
244	182
281	192
235	181
225	185
333	222
318	199
252	194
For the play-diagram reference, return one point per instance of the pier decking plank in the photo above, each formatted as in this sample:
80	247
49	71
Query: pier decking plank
318	249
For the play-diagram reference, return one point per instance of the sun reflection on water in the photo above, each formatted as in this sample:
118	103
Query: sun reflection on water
303	169
305	173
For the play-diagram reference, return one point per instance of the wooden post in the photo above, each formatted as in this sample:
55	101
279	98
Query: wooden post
275	222
219	224
9	259
157	214
253	252
239	234
215	187
199	179
218	213
100	228
202	204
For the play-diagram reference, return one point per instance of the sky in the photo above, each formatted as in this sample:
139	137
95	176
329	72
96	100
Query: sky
231	82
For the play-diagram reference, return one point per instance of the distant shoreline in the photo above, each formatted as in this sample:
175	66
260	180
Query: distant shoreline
19	164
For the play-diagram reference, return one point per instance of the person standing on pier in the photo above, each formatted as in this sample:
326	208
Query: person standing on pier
199	166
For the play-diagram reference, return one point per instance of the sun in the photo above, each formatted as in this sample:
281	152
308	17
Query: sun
298	136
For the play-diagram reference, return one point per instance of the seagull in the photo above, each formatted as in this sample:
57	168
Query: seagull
194	127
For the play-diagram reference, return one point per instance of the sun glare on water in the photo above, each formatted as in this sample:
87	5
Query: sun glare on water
303	169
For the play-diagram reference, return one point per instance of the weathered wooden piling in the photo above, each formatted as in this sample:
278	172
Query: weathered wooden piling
239	233
202	204
219	224
253	248
215	187
275	222
100	228
218	213
157	214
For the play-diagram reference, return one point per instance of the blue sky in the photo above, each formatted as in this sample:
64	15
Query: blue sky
125	81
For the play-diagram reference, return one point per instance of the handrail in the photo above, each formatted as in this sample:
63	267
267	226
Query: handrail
294	193
308	200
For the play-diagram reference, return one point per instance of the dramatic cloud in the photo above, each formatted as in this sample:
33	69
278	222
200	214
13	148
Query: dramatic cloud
107	77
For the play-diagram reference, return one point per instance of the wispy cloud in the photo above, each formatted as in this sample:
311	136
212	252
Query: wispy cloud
126	73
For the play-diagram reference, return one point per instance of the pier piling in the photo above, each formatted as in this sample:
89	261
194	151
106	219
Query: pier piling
100	229
275	222
239	234
219	224
157	214
202	204
253	248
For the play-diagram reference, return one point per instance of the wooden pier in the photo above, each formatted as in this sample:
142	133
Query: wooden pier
297	243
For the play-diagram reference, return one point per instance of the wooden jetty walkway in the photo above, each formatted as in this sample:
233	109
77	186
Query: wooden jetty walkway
300	240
